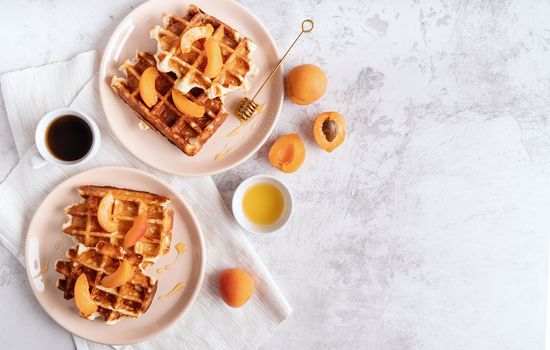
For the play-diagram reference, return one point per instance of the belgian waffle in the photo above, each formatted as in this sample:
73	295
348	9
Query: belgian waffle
189	66
129	300
186	132
83	226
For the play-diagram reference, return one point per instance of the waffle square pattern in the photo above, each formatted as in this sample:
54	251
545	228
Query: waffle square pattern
189	65
186	132
129	300
83	226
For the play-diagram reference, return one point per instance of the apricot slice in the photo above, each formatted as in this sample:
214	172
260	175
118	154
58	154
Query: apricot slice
137	231
82	297
236	287
122	275
306	84
194	34
287	153
214	58
329	130
147	89
105	213
186	106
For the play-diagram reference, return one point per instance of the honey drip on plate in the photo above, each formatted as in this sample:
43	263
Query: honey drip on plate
173	291
243	123
181	248
237	129
228	148
142	126
46	267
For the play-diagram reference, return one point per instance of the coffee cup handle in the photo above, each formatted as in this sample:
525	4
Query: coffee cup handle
36	161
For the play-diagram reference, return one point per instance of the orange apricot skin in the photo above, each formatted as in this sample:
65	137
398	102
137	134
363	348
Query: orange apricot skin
306	84
214	56
236	287
320	136
138	230
288	153
82	298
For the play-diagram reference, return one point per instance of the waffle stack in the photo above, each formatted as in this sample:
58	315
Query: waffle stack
129	300
184	131
189	66
99	253
184	71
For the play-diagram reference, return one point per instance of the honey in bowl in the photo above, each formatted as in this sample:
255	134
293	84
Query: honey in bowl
263	204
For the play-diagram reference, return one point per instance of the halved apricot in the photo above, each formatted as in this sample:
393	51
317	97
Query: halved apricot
214	59
329	130
287	153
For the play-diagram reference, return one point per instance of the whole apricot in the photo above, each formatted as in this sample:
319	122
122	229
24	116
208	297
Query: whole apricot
236	287
288	153
306	84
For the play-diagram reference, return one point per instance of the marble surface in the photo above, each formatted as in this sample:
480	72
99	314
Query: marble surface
427	229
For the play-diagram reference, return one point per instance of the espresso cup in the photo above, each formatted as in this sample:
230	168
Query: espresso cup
65	137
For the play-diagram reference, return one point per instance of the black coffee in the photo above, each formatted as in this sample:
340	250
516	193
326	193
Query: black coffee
69	138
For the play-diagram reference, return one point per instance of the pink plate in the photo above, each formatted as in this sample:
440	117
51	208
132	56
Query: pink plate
151	147
42	249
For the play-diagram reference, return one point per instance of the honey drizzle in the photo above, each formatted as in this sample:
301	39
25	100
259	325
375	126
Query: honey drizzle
46	267
253	123
237	129
173	291
181	248
228	148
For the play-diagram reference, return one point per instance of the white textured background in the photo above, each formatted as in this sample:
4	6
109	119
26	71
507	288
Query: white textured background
427	229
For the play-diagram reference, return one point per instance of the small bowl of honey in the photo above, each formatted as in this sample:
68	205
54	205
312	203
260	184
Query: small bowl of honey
262	204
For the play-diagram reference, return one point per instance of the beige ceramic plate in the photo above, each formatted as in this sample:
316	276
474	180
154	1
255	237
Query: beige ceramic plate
153	148
42	249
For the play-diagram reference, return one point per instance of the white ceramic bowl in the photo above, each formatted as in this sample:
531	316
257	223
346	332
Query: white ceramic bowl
237	204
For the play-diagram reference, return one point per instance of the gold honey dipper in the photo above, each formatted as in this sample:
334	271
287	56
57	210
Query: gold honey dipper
247	107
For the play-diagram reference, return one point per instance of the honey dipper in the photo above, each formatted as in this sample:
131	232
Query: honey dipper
247	108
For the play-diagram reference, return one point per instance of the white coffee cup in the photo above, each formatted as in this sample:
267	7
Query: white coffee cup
45	156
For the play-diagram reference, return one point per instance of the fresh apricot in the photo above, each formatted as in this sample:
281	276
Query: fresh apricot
104	213
134	234
305	84
82	298
147	89
329	130
236	287
186	106
122	275
194	34
214	58
287	153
